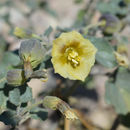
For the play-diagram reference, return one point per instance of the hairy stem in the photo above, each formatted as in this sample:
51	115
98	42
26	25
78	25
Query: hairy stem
86	29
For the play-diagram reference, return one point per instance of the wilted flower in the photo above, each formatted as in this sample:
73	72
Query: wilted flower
122	60
54	103
73	56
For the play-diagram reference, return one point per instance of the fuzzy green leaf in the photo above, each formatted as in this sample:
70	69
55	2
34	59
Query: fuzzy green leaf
118	93
48	31
14	96
9	118
3	100
9	59
111	7
39	113
2	79
27	95
105	55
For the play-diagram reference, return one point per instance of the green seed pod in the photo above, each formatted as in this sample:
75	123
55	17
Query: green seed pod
32	51
112	25
15	77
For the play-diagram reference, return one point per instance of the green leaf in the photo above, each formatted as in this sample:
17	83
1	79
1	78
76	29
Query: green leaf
14	96
50	11
2	47
111	7
39	113
125	120
78	1
3	100
114	97
2	79
9	59
118	93
105	55
48	31
7	62
46	63
123	79
124	40
9	118
27	95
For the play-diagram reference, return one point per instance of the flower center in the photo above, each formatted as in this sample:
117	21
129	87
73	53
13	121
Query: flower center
72	57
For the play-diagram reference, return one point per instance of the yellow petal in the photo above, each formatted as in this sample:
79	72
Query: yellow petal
81	56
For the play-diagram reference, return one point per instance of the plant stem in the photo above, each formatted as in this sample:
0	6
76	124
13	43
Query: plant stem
66	124
86	29
31	107
36	36
27	69
24	119
73	88
85	122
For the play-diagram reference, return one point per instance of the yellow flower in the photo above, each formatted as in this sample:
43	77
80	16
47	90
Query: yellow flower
73	56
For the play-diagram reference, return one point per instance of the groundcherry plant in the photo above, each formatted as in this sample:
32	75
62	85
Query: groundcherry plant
72	54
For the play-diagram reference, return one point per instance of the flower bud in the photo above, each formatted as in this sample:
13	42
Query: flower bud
22	33
112	25
15	77
122	49
56	103
122	60
31	51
